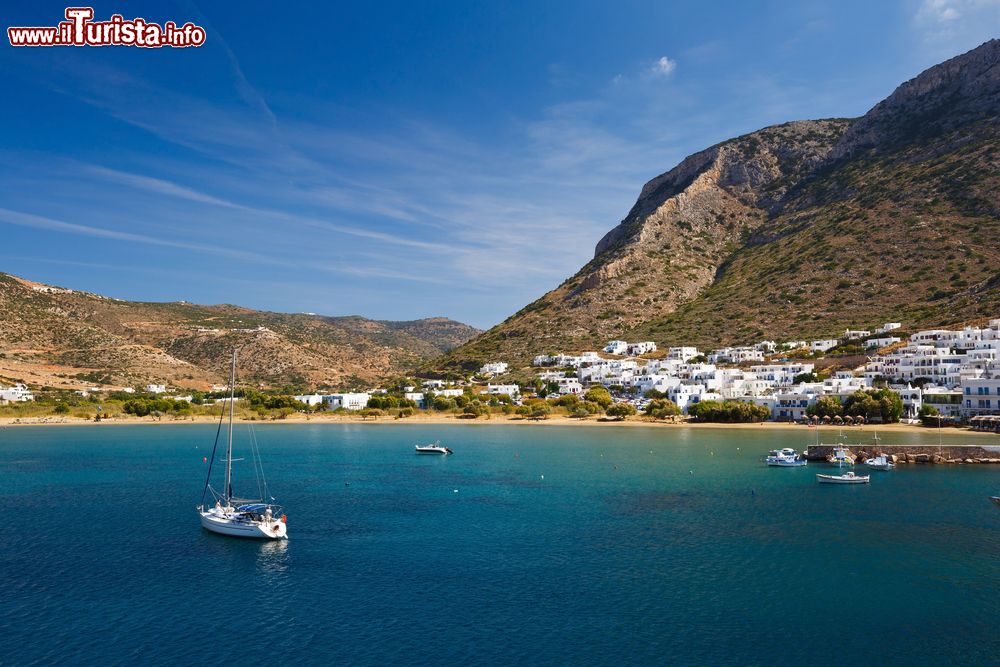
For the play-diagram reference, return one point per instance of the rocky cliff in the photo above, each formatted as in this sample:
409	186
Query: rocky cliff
797	230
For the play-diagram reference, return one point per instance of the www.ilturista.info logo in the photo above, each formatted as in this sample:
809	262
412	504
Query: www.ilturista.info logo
79	29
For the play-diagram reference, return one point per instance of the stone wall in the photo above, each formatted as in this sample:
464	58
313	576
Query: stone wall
914	453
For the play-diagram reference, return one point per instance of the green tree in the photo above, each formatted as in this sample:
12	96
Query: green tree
598	395
825	406
661	408
621	410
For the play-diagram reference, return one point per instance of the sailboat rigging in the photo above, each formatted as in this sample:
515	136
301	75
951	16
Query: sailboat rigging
240	517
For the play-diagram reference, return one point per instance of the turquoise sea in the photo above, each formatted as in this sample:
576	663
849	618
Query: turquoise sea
530	545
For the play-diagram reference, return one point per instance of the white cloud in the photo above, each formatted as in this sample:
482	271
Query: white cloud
950	27
664	66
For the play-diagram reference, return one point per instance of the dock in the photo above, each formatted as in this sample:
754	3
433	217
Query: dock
954	454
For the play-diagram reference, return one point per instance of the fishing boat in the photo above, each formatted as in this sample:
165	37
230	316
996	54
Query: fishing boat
784	458
233	516
847	478
841	456
880	462
995	500
436	448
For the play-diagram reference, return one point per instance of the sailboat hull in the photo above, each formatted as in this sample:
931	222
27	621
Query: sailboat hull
235	527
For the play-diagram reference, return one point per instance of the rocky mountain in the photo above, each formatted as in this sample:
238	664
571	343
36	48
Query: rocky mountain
797	230
51	336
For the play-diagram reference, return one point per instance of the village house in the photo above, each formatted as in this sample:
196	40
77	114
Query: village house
494	368
19	393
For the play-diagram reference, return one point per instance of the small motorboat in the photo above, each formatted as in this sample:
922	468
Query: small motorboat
995	500
847	478
784	458
841	456
436	448
880	462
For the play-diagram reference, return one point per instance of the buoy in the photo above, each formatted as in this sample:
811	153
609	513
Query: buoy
543	476
204	458
455	491
691	471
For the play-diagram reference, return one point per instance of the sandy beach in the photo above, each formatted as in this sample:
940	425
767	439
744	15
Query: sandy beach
494	420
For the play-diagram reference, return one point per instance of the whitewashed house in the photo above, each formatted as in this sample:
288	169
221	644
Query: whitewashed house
494	368
311	400
616	347
155	388
887	327
19	393
823	345
682	353
645	347
356	401
511	390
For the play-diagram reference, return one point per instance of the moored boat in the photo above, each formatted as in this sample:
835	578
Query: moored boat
847	478
238	517
436	448
784	458
995	500
880	462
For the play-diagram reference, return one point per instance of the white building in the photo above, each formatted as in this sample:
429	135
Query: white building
823	345
511	390
781	374
856	334
885	341
682	353
645	347
887	327
981	395
616	347
155	388
311	400
19	393
449	393
347	401
494	368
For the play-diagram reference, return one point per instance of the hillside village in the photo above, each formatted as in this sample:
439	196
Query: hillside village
951	374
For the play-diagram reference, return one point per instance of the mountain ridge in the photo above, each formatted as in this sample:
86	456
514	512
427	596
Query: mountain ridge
53	336
795	230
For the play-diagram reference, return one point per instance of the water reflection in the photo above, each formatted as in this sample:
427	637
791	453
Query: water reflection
272	557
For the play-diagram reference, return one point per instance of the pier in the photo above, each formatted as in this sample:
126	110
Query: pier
955	454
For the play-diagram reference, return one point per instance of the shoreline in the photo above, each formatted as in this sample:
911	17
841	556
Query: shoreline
496	420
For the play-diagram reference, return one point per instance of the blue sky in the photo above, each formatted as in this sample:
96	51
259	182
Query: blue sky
406	160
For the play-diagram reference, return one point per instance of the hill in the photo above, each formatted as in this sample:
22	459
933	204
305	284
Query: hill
797	230
58	337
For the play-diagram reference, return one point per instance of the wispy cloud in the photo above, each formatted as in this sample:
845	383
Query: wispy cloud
663	66
949	27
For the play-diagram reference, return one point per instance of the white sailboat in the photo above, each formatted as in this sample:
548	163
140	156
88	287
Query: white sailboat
240	517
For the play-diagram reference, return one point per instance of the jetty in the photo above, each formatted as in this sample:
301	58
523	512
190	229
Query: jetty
955	454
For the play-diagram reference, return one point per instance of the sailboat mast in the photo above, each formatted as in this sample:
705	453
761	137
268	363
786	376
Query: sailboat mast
228	491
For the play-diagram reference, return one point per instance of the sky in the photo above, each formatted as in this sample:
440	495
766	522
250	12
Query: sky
406	160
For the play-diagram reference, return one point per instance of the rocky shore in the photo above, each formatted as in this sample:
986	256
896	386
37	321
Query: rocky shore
903	454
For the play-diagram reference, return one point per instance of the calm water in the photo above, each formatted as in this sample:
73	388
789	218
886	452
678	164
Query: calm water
538	545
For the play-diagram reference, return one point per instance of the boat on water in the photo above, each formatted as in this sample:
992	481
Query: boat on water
784	458
233	516
880	462
436	448
841	456
995	500
847	478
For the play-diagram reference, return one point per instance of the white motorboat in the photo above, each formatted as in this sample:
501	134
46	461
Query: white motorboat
436	448
880	462
847	478
237	517
784	458
995	500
